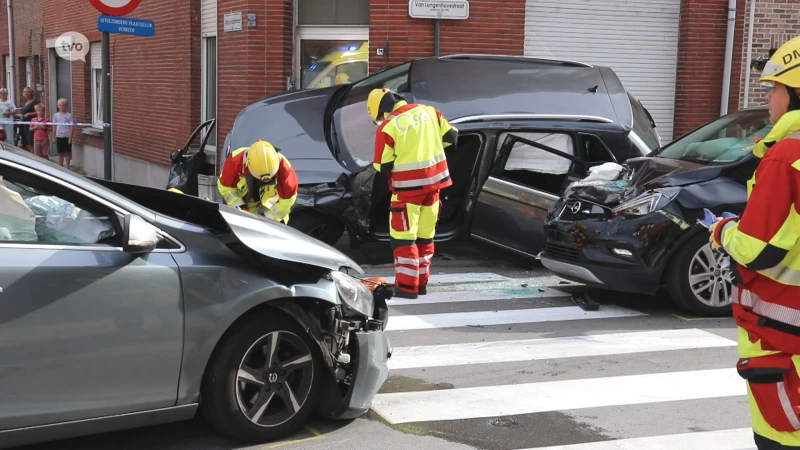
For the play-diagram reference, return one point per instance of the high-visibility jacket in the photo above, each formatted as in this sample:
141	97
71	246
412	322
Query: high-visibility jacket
409	149
764	243
238	188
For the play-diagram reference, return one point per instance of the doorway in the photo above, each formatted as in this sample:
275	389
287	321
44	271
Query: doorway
327	56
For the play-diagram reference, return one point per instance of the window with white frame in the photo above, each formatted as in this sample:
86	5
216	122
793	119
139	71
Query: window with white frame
209	78
97	84
29	72
8	85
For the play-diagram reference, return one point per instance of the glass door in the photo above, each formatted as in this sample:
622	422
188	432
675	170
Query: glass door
328	56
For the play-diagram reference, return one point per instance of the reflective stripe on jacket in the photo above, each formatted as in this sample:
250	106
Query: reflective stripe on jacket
278	198
409	149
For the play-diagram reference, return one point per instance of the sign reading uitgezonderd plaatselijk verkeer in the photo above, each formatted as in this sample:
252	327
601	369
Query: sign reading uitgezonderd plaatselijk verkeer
126	25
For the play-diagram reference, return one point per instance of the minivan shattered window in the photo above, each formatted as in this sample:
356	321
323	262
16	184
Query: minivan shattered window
723	141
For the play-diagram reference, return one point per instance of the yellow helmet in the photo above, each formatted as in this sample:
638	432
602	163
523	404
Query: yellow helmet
262	160
342	78
381	101
784	65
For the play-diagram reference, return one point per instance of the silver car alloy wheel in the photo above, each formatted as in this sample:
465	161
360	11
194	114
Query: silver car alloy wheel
274	379
710	277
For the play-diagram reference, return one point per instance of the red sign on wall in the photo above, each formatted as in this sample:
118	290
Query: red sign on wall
115	7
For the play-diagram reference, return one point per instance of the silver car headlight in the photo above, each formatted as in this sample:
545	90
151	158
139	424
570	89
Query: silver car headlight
355	296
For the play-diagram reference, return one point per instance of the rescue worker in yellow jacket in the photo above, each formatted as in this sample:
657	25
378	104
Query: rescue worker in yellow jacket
409	151
764	246
259	178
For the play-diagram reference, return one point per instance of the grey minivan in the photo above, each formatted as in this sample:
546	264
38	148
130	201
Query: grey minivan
123	306
527	128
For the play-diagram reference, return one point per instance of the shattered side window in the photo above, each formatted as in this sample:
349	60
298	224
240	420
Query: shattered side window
539	169
533	159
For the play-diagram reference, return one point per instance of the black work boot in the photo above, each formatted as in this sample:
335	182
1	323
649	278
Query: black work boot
423	290
399	293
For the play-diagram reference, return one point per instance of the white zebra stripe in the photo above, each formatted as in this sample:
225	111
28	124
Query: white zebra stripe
472	277
736	439
487	318
478	296
553	348
508	400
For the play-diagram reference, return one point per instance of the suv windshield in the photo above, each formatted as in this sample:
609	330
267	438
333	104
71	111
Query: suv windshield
355	131
723	141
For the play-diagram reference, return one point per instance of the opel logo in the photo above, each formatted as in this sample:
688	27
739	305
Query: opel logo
575	208
273	378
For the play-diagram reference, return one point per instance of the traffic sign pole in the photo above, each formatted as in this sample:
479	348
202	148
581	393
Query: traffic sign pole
436	36
107	141
111	8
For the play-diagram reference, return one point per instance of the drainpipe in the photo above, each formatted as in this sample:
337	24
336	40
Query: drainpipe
726	77
12	69
749	53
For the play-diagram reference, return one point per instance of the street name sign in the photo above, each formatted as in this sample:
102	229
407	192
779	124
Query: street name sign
126	25
446	9
233	21
115	7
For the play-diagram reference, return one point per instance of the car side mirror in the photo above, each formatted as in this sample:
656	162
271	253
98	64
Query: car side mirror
138	236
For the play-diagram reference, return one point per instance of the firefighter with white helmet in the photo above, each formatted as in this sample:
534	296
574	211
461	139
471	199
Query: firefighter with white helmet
259	179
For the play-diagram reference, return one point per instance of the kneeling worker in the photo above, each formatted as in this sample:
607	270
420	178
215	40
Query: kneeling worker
259	176
409	151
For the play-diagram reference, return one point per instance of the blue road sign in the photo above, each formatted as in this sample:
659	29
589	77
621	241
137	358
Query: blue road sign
126	25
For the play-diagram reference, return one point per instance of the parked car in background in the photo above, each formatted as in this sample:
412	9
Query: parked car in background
528	127
639	233
123	306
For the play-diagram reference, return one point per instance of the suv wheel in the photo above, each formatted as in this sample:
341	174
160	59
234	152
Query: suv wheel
699	279
264	381
318	226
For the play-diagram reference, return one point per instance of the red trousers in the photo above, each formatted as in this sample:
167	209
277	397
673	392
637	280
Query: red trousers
412	219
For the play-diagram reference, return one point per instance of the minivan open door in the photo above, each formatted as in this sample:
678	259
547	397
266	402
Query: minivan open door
188	162
530	172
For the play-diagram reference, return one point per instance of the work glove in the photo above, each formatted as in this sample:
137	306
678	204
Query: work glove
712	229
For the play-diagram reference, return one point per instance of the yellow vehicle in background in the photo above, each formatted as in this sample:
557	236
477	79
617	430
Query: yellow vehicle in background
345	65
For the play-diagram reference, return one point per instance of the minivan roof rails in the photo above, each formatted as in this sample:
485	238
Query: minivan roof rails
516	57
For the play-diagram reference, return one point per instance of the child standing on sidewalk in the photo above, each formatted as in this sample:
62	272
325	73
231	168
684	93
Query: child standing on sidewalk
41	133
63	133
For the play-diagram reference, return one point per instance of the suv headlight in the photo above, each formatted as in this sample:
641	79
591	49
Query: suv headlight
640	206
356	297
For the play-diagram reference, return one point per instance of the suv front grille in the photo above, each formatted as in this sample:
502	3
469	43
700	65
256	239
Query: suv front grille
562	252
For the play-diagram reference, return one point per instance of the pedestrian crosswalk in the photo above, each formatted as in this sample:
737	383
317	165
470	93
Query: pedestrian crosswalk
485	350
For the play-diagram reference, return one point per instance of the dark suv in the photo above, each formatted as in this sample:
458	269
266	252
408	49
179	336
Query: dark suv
528	127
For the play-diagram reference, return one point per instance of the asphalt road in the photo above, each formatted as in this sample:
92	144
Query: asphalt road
464	374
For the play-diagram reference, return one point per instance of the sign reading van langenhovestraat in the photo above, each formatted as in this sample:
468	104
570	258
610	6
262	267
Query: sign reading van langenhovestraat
446	9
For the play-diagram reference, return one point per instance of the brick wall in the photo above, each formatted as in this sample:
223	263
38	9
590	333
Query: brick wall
156	86
776	21
701	55
253	62
494	26
27	44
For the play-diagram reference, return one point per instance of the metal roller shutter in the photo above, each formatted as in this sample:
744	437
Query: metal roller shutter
638	39
208	21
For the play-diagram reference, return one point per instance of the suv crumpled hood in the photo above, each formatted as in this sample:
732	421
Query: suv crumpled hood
640	175
282	242
653	173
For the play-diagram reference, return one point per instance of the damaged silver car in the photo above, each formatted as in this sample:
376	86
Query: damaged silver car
123	306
